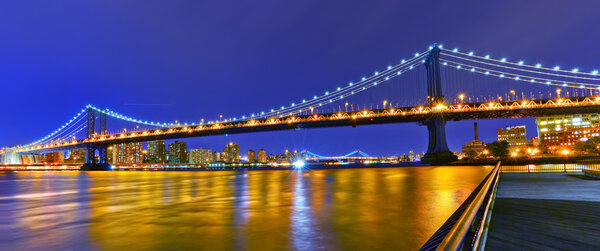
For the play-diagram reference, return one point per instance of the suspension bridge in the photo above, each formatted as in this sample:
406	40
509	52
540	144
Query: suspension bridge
430	88
354	155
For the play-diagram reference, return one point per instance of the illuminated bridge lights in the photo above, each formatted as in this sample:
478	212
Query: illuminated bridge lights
455	108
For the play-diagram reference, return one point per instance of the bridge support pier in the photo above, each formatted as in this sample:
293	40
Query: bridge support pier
437	151
437	136
90	162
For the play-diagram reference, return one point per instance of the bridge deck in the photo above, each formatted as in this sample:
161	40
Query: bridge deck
546	211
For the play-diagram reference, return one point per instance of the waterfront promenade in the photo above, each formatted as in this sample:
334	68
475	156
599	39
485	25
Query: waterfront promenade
545	211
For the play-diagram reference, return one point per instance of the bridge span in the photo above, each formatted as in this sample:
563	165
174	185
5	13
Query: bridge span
579	95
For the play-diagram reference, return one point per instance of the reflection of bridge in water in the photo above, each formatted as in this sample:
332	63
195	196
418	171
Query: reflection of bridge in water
476	87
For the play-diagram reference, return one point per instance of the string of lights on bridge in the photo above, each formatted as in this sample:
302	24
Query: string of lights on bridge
487	66
521	67
516	77
294	108
348	116
521	63
64	128
303	105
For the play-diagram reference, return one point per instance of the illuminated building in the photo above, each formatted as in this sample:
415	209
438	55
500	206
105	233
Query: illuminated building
55	157
128	153
178	152
157	152
287	155
232	153
262	156
516	136
216	156
76	156
535	141
474	145
201	156
251	156
109	154
563	131
29	158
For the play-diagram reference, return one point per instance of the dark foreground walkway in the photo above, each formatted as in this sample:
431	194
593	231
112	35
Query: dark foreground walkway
545	211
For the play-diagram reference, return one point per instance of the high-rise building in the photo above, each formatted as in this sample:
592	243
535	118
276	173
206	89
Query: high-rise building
232	153
564	131
128	153
31	158
157	152
200	156
516	136
109	154
76	156
288	156
54	157
178	152
216	156
262	156
251	155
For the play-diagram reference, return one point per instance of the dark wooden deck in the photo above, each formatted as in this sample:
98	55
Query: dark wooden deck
545	211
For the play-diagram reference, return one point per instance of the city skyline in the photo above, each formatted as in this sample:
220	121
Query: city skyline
300	125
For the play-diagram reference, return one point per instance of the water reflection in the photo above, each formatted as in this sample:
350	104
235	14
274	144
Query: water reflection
388	208
304	235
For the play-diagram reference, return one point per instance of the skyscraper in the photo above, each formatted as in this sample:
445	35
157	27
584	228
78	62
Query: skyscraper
178	152
109	154
216	156
251	156
128	153
157	153
515	135
262	156
54	157
76	156
232	153
201	156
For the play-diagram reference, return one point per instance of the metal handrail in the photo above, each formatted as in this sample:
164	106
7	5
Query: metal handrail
456	237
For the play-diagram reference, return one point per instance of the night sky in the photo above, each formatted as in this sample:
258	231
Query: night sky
186	60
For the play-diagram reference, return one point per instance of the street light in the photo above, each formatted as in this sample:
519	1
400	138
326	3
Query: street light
461	97
513	93
565	153
384	103
558	95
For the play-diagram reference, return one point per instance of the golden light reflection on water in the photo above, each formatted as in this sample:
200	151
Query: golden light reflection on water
385	208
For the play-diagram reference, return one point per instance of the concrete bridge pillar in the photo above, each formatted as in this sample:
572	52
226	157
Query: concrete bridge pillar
437	136
103	155
90	161
437	151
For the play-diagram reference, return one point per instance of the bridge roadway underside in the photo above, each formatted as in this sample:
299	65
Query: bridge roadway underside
545	211
408	118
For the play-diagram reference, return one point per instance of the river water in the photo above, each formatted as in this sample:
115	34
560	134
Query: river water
344	209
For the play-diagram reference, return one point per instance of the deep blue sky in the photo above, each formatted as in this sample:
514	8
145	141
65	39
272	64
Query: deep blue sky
185	60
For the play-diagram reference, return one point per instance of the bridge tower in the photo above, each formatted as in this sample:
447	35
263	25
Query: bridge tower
438	150
90	160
